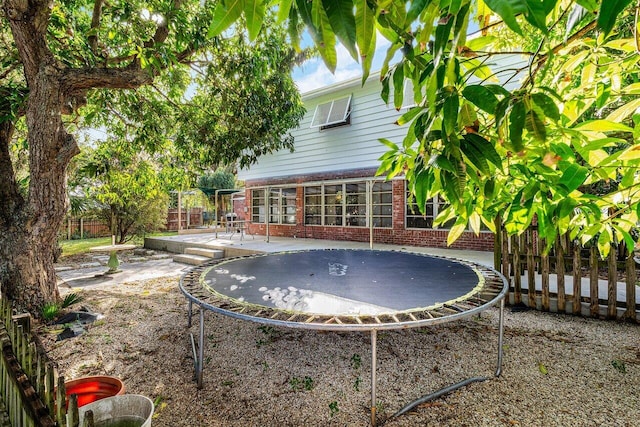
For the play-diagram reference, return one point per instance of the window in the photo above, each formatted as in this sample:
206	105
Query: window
333	113
257	206
333	202
282	206
346	204
414	219
281	203
356	204
382	204
313	205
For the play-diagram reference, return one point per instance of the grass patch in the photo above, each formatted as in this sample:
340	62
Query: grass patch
76	247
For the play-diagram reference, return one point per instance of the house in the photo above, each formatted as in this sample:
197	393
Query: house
327	188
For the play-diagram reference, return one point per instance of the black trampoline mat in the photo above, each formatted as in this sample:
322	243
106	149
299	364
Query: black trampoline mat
342	281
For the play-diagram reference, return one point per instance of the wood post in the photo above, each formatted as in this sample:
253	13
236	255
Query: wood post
630	268
577	281
560	275
593	282
544	266
612	284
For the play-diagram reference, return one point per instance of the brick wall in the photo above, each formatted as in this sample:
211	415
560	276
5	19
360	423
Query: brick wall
396	235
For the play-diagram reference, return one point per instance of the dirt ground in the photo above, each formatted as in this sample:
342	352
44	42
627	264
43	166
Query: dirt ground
557	370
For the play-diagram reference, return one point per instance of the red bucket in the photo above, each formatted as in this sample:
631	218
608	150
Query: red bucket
90	389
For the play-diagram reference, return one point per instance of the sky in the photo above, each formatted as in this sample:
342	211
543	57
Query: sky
313	74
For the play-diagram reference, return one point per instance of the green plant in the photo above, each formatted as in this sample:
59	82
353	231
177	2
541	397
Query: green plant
70	299
333	408
50	311
301	384
619	365
272	334
356	384
356	361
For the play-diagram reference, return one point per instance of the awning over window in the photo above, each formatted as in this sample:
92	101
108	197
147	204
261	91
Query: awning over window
332	112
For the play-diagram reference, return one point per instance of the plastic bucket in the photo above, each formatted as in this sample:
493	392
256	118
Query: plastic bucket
127	410
91	389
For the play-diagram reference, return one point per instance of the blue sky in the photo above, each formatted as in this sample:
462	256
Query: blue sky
314	74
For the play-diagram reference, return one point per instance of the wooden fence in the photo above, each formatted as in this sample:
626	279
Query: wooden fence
32	393
84	228
570	278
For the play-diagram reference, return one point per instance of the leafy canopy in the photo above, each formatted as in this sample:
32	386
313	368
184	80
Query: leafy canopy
548	133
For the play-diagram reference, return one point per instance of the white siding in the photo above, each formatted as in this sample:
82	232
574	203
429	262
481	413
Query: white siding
353	146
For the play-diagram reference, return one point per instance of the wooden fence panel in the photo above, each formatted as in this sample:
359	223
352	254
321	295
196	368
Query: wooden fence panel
560	275
567	258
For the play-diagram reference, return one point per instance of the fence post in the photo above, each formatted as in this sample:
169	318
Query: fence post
630	265
497	245
544	266
517	271
560	274
593	282
577	279
612	294
531	272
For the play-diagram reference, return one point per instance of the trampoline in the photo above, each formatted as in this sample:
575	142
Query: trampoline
345	290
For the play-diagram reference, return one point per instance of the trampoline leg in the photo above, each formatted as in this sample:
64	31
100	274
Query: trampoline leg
189	313
373	375
200	350
500	338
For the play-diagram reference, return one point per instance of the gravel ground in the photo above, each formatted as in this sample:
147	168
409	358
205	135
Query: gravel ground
557	370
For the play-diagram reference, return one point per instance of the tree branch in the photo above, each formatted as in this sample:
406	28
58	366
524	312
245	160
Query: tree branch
95	23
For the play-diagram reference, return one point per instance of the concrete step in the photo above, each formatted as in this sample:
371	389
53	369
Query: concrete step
190	259
209	253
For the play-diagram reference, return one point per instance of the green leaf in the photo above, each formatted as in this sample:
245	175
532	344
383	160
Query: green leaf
631	153
409	115
450	114
625	111
602	126
365	27
543	369
342	21
573	176
327	39
536	14
389	144
398	86
481	97
517	119
507	10
225	14
456	231
547	105
284	7
604	242
609	11
416	8
441	39
254	15
485	147
535	126
475	158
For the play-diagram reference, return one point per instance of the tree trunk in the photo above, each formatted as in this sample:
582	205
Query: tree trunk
27	275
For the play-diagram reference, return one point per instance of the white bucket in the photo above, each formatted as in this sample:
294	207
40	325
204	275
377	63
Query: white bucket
131	410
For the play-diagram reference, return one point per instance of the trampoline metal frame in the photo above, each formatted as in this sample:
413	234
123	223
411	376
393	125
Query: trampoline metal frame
189	287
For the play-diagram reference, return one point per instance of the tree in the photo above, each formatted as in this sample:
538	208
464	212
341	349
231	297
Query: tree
57	57
497	153
126	188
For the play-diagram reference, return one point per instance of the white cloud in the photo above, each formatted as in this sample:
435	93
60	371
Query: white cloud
313	74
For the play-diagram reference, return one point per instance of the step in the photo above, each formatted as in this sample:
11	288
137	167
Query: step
209	253
190	259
